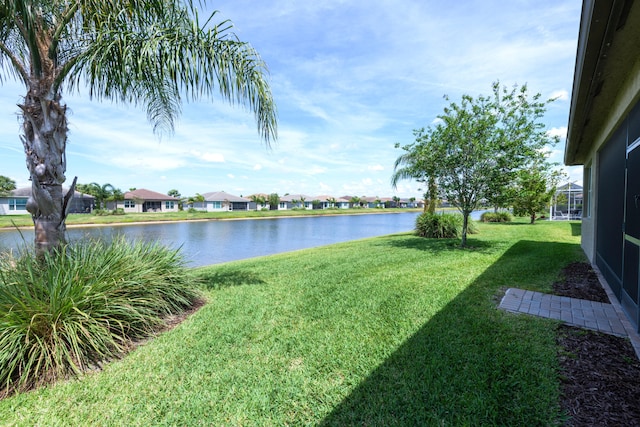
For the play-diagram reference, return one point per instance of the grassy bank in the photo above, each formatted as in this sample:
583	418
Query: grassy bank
395	330
88	219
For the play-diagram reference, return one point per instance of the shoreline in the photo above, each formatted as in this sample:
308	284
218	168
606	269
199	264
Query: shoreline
169	221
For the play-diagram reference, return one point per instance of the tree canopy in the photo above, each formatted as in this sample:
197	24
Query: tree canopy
475	146
6	185
534	188
153	54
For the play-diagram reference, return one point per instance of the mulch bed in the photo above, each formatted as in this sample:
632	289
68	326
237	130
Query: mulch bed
600	373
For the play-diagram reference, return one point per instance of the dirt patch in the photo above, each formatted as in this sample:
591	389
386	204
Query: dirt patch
600	373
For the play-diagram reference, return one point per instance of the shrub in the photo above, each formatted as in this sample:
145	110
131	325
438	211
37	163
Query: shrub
118	211
82	305
439	226
502	216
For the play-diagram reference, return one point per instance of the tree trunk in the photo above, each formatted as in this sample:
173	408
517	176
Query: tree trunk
44	139
465	226
533	218
433	196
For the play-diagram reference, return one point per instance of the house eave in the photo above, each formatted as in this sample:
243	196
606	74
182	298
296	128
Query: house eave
599	73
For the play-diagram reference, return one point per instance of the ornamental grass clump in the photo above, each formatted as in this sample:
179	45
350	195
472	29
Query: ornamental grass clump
438	226
501	216
73	309
442	226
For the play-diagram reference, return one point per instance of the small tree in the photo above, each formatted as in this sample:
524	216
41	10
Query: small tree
6	185
274	201
534	190
175	193
473	142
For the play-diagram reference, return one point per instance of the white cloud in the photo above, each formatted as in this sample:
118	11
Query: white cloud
257	167
560	132
212	157
560	95
375	168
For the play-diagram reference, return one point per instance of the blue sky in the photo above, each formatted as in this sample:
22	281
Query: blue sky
350	79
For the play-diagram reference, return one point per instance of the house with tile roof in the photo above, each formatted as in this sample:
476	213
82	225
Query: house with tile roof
295	201
143	200
15	203
253	206
329	202
220	201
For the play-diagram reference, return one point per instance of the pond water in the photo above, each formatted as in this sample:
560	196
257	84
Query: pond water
212	242
217	241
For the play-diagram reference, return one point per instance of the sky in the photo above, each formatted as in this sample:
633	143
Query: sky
350	78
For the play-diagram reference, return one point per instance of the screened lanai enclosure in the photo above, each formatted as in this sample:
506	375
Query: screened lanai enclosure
567	202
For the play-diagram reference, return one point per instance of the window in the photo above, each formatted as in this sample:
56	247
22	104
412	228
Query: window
216	205
169	205
129	204
282	205
17	204
586	204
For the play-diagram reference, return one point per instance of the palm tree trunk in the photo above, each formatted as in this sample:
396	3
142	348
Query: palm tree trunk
44	138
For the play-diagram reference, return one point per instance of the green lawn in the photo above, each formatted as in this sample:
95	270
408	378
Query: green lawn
394	330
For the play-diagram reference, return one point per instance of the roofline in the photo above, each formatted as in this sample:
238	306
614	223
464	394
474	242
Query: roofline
598	23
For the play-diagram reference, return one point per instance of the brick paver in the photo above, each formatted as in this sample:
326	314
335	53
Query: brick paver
586	314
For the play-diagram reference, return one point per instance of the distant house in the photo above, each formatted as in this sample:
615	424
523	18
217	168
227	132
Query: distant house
322	202
142	200
604	137
374	202
342	203
15	203
219	201
295	201
329	202
567	202
253	206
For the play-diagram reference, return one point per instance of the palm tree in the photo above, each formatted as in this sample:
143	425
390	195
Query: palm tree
197	200
259	200
102	193
150	53
412	166
116	196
